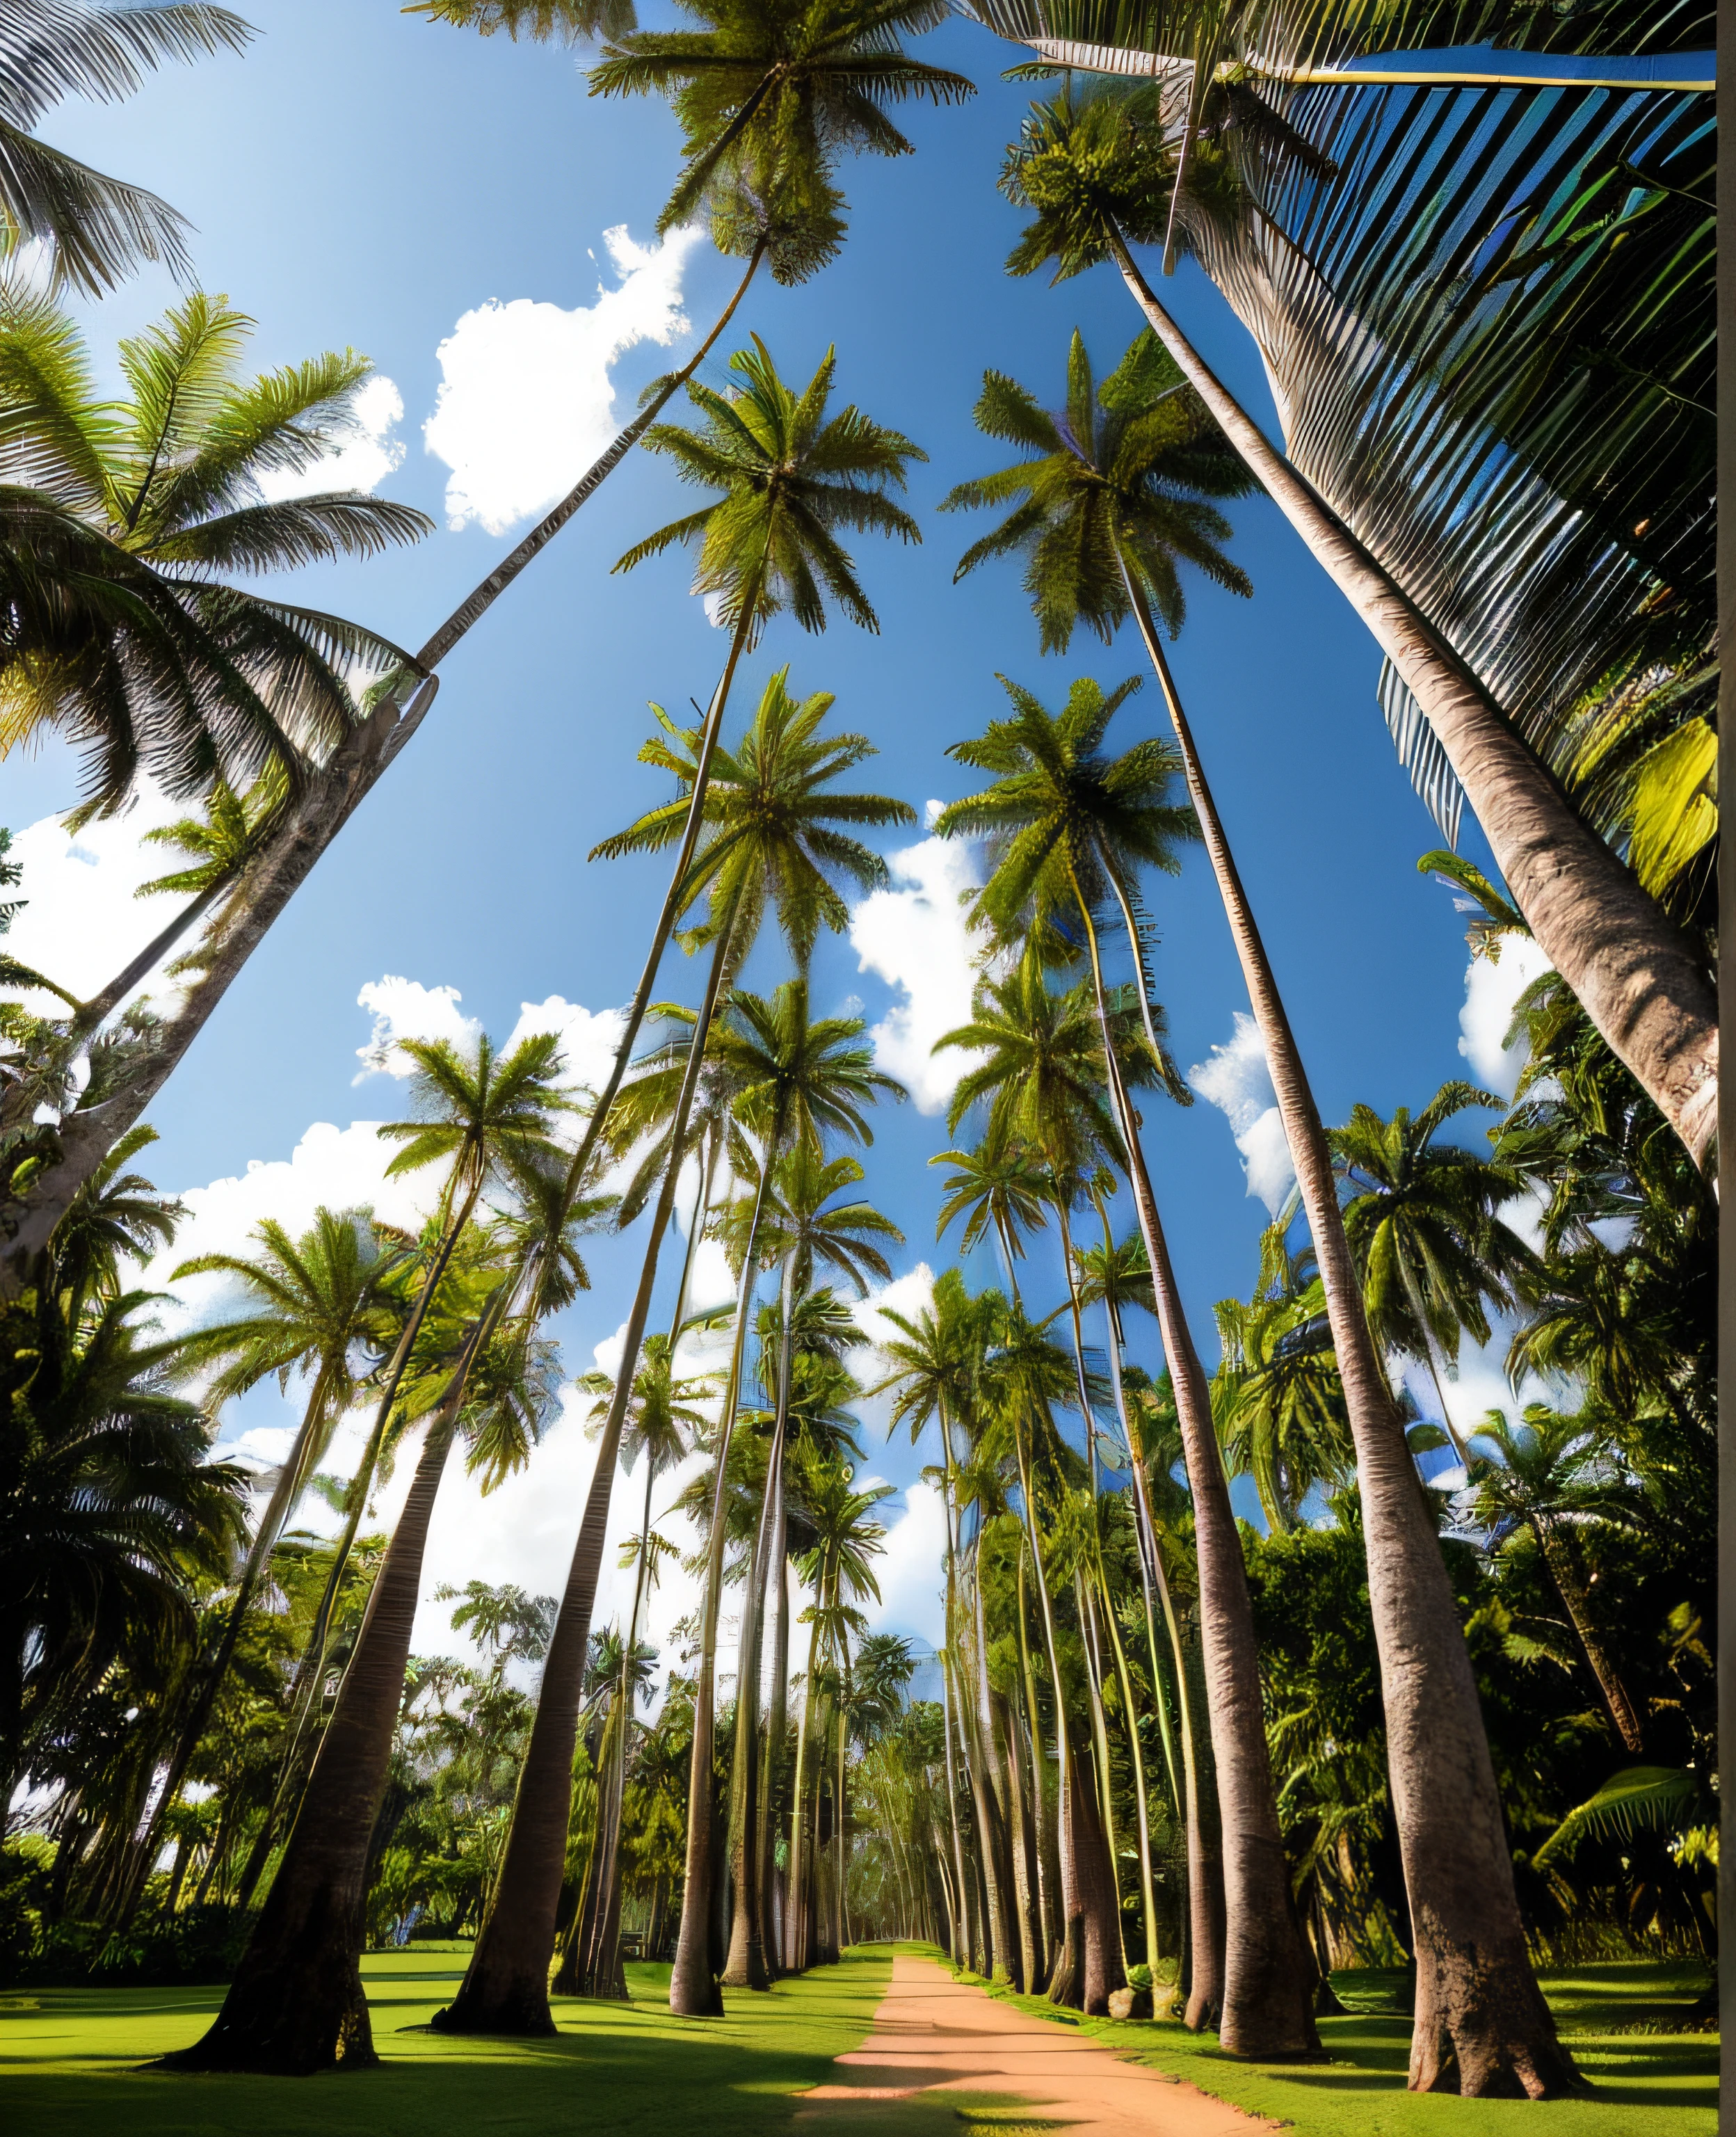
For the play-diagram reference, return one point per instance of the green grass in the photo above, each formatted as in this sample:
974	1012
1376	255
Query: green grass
1646	2082
69	2066
69	2062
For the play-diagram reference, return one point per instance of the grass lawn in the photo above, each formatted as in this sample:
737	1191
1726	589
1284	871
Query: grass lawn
69	2062
1651	2083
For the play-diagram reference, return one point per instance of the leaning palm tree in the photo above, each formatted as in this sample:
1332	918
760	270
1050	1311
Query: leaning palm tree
1465	1852
296	2003
1421	1221
1070	828
1100	178
1550	1476
772	826
777	203
177	476
96	230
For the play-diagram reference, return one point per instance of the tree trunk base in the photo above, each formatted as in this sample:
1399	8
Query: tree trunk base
1067	1979
1484	2031
296	2005
696	2002
515	2009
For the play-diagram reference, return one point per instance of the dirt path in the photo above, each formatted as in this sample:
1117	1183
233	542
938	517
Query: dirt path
934	2033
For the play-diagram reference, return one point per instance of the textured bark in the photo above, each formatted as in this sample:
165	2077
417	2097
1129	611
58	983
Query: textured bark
1482	2025
1638	975
296	2004
988	1790
693	1991
505	1988
1268	1981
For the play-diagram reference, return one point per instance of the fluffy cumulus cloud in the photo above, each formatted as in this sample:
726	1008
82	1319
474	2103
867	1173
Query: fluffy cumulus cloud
526	402
405	1009
368	453
912	1570
82	921
913	936
1491	992
1238	1081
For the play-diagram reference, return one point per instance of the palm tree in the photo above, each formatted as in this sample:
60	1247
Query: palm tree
328	1305
296	2003
1098	178
1548	1475
96	230
773	824
1420	1218
771	92
1070	827
1419	1623
171	476
802	1227
777	203
837	1564
1278	1396
997	1187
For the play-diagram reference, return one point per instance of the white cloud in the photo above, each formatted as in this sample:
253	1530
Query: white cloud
589	1038
405	1009
915	937
526	402
81	922
1238	1081
912	1570
1490	991
368	454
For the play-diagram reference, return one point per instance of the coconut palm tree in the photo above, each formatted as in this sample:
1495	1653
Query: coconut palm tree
1279	1398
1099	177
1420	1220
1472	1859
96	230
794	1080
1061	814
174	476
802	1227
775	825
1550	1476
997	1187
836	1564
767	84
296	2003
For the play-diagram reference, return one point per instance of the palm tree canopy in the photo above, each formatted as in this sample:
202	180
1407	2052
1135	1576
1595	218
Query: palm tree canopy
96	229
480	1112
1552	1472
770	93
1277	1400
663	1416
790	478
1114	485
1069	825
798	1080
998	1185
774	828
543	21
800	1218
117	519
1421	1218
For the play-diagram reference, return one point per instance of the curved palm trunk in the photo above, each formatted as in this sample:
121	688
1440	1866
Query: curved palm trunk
1481	2024
505	1988
801	1876
959	1951
1635	972
1558	1558
1148	1890
693	1990
329	798
296	2004
1268	1981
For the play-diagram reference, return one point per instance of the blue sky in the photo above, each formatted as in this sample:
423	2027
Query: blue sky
363	178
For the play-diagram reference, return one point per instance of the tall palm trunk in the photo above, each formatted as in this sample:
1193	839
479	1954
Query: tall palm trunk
1268	1979
451	1230
1557	1555
961	1937
329	799
777	1723
801	1876
693	1990
1148	1889
505	1988
1636	975
1481	2024
297	2004
1048	1918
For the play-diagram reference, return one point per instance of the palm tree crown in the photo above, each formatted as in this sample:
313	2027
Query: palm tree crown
1113	488
789	479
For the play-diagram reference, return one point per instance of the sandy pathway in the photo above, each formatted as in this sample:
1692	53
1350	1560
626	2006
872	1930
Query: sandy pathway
934	2032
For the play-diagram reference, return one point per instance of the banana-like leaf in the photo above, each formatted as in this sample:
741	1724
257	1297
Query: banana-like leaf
1638	1800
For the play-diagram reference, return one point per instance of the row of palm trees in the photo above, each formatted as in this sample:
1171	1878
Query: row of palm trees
124	633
